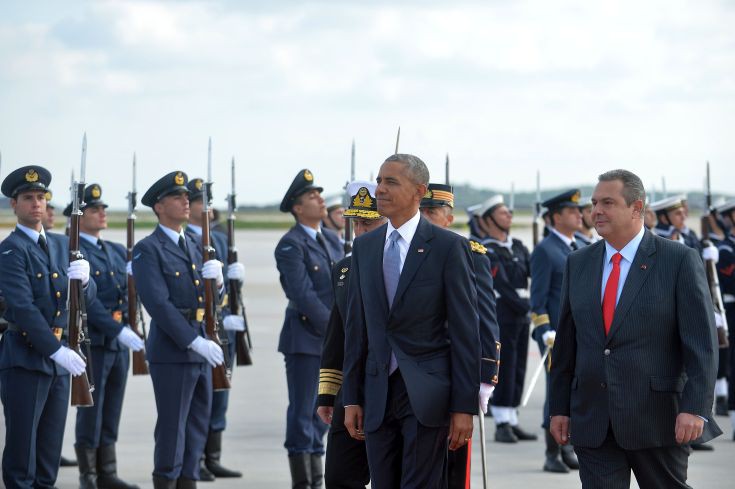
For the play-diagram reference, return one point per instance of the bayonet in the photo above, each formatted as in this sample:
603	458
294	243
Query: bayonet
663	187
446	169
398	139
512	199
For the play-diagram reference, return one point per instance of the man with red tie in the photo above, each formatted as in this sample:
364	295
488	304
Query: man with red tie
635	355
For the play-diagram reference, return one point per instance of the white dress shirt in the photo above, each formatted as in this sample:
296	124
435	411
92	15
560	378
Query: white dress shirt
628	252
407	231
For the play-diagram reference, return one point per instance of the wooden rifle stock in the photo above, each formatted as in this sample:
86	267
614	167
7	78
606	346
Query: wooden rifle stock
714	283
242	338
140	367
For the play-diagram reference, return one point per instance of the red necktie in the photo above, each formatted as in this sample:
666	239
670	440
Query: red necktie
611	293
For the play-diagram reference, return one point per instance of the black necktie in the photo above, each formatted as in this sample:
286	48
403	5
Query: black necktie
574	246
182	245
42	243
323	244
101	244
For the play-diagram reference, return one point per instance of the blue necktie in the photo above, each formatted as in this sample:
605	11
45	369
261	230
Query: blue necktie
391	275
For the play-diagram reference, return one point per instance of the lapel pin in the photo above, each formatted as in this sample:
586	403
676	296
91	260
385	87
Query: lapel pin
420	250
644	267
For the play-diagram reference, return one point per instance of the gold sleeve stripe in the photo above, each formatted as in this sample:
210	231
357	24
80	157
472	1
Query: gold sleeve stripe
330	370
328	389
330	378
540	319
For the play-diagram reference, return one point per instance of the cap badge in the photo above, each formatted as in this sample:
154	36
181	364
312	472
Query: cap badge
429	194
96	192
48	196
179	179
308	176
576	197
198	183
362	199
31	176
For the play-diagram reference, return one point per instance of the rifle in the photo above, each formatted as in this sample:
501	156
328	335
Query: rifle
398	139
446	169
537	210
221	373
243	345
512	199
348	222
82	386
711	268
140	367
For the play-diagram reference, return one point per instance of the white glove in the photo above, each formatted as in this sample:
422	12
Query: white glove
212	270
210	350
129	268
718	320
79	270
236	271
128	338
711	253
486	392
234	322
69	360
549	338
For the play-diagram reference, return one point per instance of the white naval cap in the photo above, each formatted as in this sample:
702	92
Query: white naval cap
668	204
726	207
480	210
334	202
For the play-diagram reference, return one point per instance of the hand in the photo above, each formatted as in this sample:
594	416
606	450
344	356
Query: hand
486	392
69	360
688	428
79	270
560	429
128	338
236	271
548	338
234	322
129	268
210	350
460	430
212	270
325	413
353	422
711	253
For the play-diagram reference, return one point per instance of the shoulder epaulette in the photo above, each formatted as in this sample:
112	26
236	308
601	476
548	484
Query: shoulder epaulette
477	247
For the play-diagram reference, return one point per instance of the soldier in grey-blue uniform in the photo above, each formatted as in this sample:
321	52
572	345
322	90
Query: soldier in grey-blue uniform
305	256
211	466
35	361
547	270
97	426
169	276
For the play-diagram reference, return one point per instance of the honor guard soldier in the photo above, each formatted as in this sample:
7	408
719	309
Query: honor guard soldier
670	218
346	460
726	274
490	224
586	233
49	219
335	219
35	361
169	276
547	270
97	425
213	449
304	257
437	206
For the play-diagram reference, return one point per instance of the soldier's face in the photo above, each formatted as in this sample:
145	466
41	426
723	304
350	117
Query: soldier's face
677	217
94	219
587	217
503	216
397	193
439	216
30	207
311	207
174	208
50	219
363	226
613	218
336	215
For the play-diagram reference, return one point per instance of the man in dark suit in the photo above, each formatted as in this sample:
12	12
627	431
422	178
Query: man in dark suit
412	358
635	356
304	257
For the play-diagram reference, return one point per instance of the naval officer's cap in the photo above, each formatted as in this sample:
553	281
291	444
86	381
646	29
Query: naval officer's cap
570	198
487	207
173	183
726	208
24	179
334	203
49	195
363	204
438	195
196	189
665	205
304	182
93	196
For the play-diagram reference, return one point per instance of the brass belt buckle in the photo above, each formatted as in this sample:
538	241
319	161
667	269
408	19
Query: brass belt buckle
117	316
200	315
58	332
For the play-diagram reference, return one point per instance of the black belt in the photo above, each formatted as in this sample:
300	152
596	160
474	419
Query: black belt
60	333
193	314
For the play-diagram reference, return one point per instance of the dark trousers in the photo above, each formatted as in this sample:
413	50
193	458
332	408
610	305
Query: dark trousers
221	399
97	426
458	467
35	407
512	374
304	428
183	403
609	466
402	452
346	461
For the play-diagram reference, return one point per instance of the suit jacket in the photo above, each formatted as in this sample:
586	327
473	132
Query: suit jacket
658	360
35	287
432	327
305	277
547	270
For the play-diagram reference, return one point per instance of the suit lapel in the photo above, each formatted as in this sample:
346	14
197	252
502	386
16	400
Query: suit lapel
639	272
417	252
169	245
35	249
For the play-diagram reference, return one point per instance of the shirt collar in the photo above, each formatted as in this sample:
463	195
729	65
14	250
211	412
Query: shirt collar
629	250
89	238
407	229
196	229
173	235
566	240
311	231
31	233
508	243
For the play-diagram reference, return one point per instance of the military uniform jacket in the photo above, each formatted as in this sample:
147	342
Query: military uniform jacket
305	275
108	312
170	286
510	271
489	329
35	287
547	271
726	270
219	242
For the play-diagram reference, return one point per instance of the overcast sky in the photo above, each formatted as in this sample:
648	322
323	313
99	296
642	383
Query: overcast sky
572	88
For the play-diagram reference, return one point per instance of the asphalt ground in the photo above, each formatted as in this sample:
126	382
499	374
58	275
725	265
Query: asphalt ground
253	441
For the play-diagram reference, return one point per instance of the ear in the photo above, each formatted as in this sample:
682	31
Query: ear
450	218
13	203
638	209
421	189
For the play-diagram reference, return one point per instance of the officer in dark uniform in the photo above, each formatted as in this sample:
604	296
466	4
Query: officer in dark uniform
490	224
726	274
169	276
35	362
97	426
548	261
346	460
437	206
230	323
305	256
